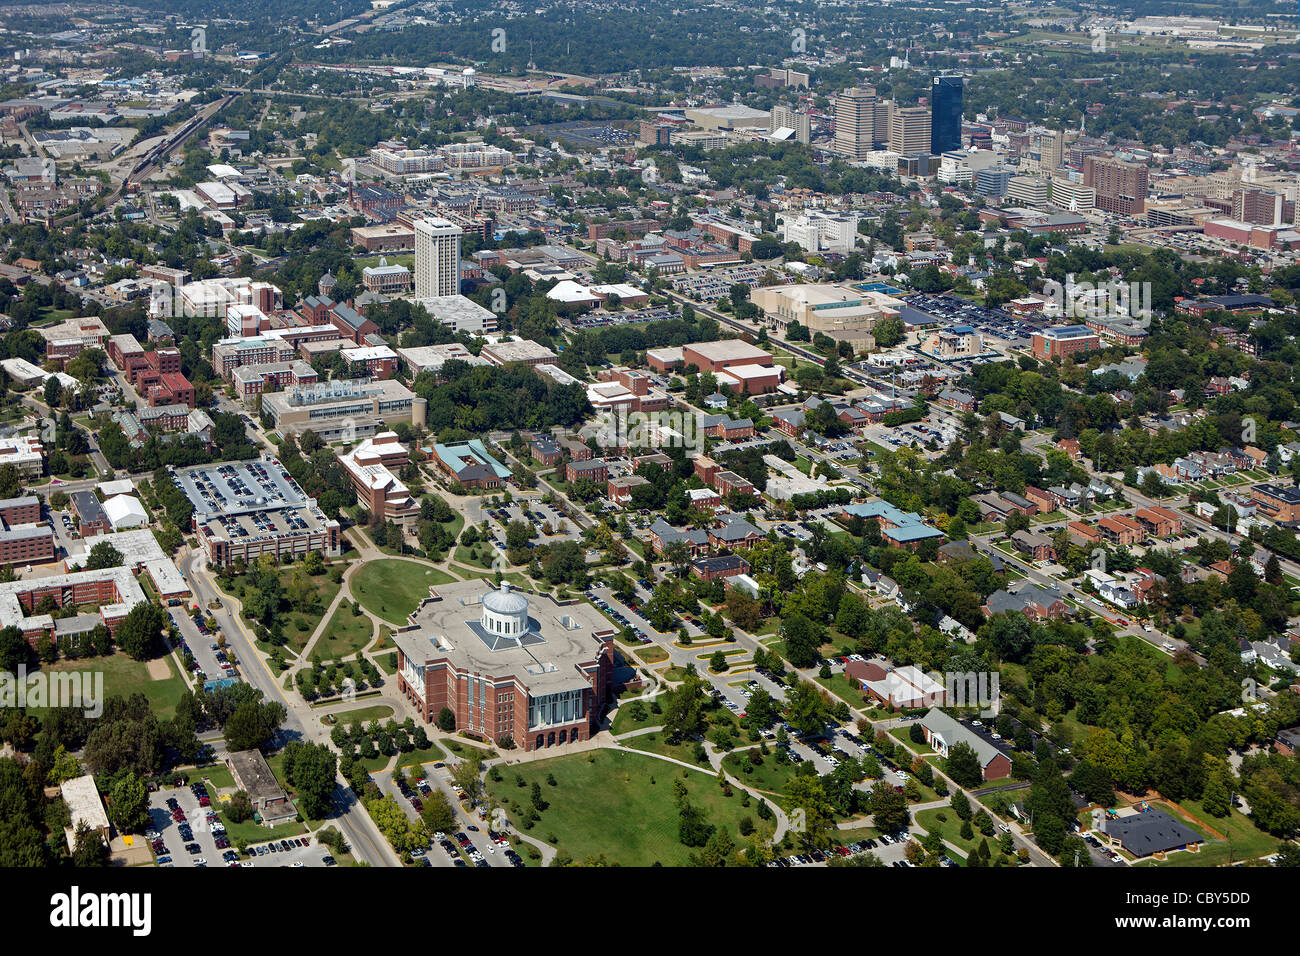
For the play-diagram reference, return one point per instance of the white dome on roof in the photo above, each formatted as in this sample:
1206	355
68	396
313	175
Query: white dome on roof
505	612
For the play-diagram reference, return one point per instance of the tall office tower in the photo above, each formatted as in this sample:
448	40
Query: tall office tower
1045	150
855	122
909	130
1052	150
783	117
945	113
884	119
1121	187
437	257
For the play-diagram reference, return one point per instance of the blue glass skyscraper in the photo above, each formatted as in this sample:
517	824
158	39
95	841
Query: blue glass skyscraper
945	114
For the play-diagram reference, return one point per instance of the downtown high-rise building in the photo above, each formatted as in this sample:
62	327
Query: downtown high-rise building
1121	186
909	130
855	122
784	117
437	257
945	113
1046	152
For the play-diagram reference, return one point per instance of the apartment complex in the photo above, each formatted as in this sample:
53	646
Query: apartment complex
787	118
1058	341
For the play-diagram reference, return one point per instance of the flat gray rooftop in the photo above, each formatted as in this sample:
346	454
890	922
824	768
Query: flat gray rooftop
546	660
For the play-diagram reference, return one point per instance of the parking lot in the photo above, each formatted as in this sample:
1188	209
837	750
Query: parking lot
538	515
484	847
201	644
890	849
65	531
184	833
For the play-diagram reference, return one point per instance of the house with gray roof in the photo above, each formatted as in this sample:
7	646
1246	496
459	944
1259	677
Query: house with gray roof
943	732
1153	833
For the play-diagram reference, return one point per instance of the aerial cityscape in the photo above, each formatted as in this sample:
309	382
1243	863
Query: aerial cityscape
585	434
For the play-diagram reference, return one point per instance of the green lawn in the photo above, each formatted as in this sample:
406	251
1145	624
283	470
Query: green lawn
623	722
123	677
652	654
637	822
479	556
250	831
216	774
464	747
901	735
771	776
391	588
843	688
657	743
950	827
365	714
299	626
346	634
430	754
387	662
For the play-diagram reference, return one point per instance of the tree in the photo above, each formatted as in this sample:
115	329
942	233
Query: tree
103	555
446	720
683	711
467	776
888	807
128	803
239	808
889	332
807	708
53	392
963	765
437	814
310	769
89	848
139	631
14	649
253	724
802	639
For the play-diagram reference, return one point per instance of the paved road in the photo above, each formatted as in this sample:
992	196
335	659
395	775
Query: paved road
301	723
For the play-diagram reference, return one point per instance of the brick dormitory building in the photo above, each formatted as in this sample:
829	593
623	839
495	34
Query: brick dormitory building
508	665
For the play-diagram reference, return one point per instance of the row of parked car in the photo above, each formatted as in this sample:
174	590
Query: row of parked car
847	849
618	616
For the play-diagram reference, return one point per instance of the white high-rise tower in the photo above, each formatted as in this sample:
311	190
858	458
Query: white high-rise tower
437	257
